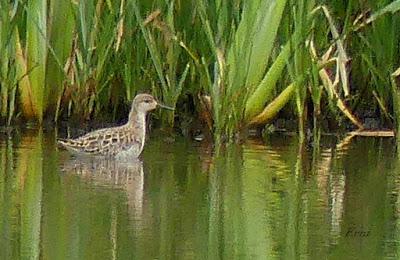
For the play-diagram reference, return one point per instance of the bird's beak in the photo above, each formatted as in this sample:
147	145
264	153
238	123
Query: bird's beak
164	106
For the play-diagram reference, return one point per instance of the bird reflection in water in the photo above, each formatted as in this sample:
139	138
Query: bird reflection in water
127	175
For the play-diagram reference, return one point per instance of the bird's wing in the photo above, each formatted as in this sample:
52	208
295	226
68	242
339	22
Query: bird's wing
120	141
107	142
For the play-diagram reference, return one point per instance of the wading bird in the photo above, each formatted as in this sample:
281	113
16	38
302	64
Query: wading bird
119	142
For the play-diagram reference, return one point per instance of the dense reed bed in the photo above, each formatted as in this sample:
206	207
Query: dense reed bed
225	65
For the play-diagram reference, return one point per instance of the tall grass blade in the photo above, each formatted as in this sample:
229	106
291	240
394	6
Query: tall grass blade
155	56
254	39
239	73
264	90
28	105
11	106
262	34
272	109
62	25
328	84
8	24
36	48
342	56
390	8
4	63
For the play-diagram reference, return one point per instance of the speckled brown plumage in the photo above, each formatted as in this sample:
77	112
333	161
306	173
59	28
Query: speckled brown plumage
119	142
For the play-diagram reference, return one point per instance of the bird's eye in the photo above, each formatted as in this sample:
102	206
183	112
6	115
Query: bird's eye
147	101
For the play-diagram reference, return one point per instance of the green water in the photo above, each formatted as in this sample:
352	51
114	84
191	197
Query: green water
272	200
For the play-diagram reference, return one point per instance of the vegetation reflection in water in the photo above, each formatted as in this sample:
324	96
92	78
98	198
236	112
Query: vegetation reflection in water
184	201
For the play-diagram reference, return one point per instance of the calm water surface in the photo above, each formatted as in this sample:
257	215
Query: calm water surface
272	200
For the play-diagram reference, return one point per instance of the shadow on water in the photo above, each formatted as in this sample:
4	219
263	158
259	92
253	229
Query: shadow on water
276	199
